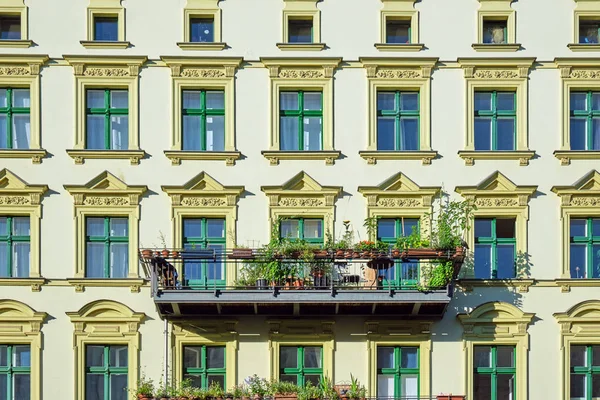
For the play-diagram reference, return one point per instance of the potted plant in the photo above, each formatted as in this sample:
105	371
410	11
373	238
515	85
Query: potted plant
146	254
327	389
283	390
356	391
449	397
242	253
215	391
145	389
258	387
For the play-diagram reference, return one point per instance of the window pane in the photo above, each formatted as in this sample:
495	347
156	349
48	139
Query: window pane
312	357
119	126
118	227
482	356
3	133
409	385
505	101
595	386
385	386
288	101
386	133
94	387
505	356
3	97
409	357
3	356
118	387
192	357
215	228
409	101
588	32
3	226
215	357
578	227
215	133
596	261
215	100
20	226
119	99
578	261
106	28
483	101
22	387
10	27
94	356
483	133
192	228
596	101
578	133
506	261
289	133
386	228
95	227
191	132
290	228
482	387
195	379
578	356
288	357
385	357
118	356
483	261
578	387
410	225
397	31
21	98
494	32
300	31
191	99
95	260
21	356
506	385
315	380
595	144
312	133
216	379
312	101
578	101
386	101
21	131
505	228
410	133
313	229
95	99
595	356
596	227
505	136
21	258
483	227
3	383
119	260
288	378
95	138
202	30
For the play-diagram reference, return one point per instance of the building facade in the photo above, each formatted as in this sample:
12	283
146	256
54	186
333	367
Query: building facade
201	123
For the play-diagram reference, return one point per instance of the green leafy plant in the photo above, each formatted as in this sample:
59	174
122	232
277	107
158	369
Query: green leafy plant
327	389
309	392
240	391
282	388
437	276
412	241
257	386
145	387
450	221
367	245
371	226
356	390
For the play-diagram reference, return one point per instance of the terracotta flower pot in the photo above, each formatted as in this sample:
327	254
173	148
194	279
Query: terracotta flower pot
395	253
147	253
165	253
174	253
339	253
144	397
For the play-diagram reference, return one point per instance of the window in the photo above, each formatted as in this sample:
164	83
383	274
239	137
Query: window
14	118
494	31
14	247
588	31
398	372
585	372
107	247
388	230
397	30
310	230
10	27
107	123
301	364
204	233
495	244
398	121
15	372
585	120
106	28
495	120
301	120
585	247
204	365
203	120
494	372
106	372
300	30
202	30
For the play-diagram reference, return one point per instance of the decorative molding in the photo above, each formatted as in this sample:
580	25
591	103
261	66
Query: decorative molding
469	156
372	157
176	156
275	156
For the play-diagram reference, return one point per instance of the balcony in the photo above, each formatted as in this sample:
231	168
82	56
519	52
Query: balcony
206	282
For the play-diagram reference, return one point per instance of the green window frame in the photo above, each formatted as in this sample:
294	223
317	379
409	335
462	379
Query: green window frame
109	112
111	242
15	371
494	373
495	265
400	371
584	372
400	113
495	114
404	274
201	371
10	244
302	372
204	273
112	371
301	114
210	108
590	116
302	225
12	137
590	242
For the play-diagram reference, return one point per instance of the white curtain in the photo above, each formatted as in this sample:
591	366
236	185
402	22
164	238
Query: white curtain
119	263
119	132
21	260
385	386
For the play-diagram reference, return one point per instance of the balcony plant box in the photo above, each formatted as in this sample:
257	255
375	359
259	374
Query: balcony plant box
242	254
449	397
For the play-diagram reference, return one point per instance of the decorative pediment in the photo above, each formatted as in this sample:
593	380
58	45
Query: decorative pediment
106	316
106	190
203	67
399	68
583	319
495	319
399	191
583	193
496	68
497	191
301	191
301	68
15	191
106	66
19	319
203	191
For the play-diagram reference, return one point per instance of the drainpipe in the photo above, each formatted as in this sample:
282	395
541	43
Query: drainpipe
166	371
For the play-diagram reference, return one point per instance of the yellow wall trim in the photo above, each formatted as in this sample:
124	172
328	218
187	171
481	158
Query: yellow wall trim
304	9
403	10
105	8
202	9
497	9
